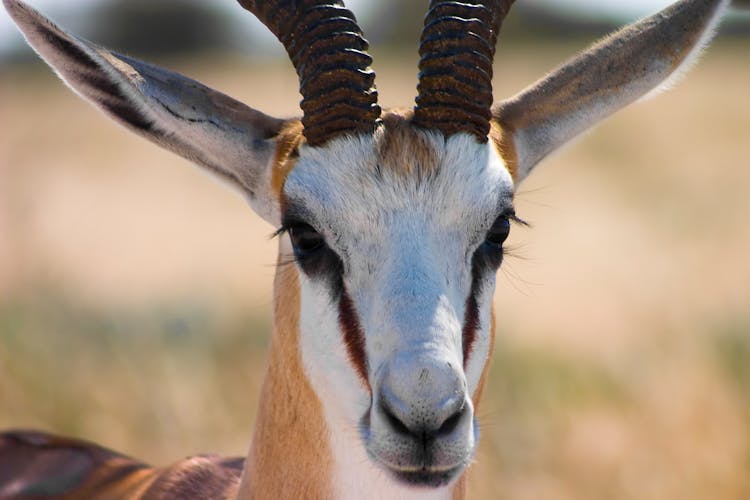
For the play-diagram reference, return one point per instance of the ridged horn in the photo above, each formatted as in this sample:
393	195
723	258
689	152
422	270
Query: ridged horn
329	53
456	51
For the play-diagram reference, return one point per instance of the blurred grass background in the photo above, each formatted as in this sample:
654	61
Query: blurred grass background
135	291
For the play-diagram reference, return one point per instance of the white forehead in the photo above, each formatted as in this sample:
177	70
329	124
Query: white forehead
350	193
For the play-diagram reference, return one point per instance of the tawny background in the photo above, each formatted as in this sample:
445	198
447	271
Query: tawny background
135	290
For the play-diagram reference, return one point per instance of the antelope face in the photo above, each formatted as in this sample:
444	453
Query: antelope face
398	237
396	222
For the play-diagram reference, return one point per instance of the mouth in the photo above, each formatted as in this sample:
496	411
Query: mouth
422	472
420	462
426	477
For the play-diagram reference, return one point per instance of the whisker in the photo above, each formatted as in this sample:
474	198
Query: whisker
526	192
513	251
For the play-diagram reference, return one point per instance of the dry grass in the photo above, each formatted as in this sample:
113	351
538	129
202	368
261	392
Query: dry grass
134	293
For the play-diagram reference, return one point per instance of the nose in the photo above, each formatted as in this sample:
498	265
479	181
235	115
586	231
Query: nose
424	398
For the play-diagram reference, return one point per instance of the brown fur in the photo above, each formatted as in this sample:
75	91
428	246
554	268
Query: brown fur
502	138
353	337
403	146
288	141
459	489
400	146
35	465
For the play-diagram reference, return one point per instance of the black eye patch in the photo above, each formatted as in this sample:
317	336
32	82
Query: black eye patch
313	255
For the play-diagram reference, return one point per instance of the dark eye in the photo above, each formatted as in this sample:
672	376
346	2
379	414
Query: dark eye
305	239
499	231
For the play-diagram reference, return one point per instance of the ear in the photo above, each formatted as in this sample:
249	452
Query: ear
182	115
613	73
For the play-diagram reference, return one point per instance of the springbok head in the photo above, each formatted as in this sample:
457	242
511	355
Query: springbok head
395	219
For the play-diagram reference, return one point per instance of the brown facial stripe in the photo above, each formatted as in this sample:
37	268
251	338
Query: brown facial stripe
354	338
471	321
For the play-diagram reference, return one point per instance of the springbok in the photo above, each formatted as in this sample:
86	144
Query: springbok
396	220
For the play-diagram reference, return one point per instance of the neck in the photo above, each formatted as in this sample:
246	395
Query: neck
293	453
289	456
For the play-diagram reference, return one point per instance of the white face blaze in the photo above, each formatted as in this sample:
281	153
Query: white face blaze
405	240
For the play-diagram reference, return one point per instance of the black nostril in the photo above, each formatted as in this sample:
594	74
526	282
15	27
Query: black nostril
421	430
451	422
395	422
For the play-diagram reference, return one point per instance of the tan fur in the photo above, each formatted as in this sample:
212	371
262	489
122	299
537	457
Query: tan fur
502	138
403	146
459	490
288	141
407	148
289	457
400	145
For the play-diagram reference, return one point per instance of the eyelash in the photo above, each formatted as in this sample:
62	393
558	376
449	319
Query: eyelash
282	230
517	220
